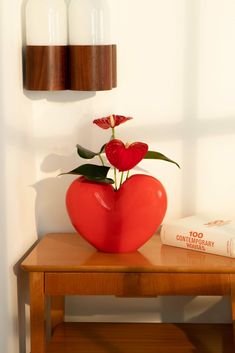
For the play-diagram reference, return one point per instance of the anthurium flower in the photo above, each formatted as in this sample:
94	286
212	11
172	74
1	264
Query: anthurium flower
111	121
125	156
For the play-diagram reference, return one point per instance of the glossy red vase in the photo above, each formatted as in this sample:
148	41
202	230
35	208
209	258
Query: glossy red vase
117	221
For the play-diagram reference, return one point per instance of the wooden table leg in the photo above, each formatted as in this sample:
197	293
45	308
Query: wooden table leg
57	311
37	313
232	282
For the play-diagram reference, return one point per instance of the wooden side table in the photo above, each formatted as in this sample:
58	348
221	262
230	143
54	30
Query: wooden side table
64	264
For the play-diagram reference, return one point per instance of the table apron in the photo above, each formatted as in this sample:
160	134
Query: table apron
136	284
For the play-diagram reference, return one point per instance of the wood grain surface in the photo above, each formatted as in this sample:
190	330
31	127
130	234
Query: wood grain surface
65	264
57	309
92	67
136	284
63	252
37	313
46	68
141	338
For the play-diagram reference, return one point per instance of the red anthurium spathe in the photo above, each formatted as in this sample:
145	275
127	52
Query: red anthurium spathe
111	121
125	157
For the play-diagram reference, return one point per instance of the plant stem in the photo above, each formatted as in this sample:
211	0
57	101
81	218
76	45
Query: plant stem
114	169
122	175
115	178
127	176
113	133
102	161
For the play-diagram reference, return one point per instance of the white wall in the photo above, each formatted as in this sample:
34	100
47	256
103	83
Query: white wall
176	77
17	225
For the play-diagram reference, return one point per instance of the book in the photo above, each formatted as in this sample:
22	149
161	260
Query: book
201	233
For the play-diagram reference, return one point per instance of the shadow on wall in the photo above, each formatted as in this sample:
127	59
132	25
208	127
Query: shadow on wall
50	209
186	309
59	96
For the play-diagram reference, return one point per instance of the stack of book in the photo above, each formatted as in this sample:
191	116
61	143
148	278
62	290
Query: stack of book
201	233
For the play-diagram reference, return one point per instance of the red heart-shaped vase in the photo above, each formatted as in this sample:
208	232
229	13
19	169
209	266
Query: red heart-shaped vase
117	221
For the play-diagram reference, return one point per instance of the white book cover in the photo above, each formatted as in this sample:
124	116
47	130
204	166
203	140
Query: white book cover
204	233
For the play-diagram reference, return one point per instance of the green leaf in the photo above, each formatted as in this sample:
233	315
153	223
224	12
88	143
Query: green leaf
102	148
90	171
157	155
85	153
101	180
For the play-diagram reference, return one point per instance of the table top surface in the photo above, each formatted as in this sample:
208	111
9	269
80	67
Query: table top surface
64	252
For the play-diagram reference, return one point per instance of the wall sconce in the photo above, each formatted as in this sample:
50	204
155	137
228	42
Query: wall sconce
88	63
92	56
46	50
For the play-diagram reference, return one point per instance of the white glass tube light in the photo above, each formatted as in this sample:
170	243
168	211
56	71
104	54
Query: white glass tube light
89	22
46	22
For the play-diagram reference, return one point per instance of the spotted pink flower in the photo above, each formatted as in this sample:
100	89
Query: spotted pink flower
125	157
111	121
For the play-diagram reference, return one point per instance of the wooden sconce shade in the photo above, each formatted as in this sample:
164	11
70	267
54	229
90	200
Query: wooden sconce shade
92	67
81	68
46	68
